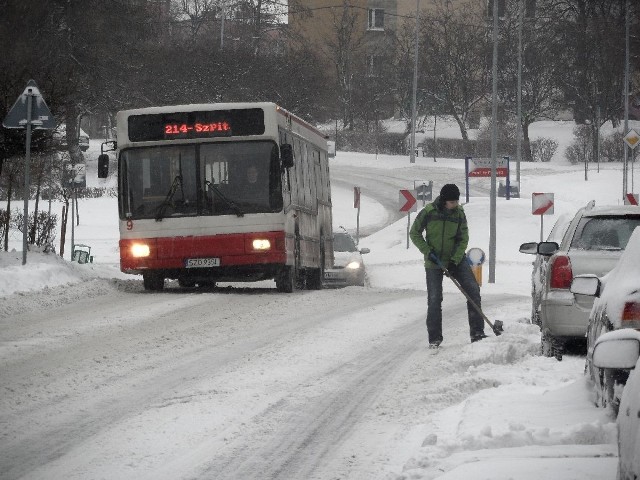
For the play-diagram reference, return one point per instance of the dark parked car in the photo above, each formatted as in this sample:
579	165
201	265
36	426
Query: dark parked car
616	306
60	138
620	350
348	266
592	244
514	189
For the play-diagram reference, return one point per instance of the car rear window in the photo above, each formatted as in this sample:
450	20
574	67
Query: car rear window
604	233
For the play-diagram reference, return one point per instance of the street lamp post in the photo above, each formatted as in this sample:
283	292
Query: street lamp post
412	154
625	166
494	148
519	93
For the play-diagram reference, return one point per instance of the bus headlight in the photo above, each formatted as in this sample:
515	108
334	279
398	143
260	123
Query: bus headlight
140	250
353	265
261	244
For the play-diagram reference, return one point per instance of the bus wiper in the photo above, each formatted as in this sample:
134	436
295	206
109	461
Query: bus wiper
230	203
168	200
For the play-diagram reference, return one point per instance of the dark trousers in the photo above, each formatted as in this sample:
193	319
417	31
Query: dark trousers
467	280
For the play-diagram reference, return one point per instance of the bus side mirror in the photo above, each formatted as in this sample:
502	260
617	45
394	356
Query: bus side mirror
103	166
286	155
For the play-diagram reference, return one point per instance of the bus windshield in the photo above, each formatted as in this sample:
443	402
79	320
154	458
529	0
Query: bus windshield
230	178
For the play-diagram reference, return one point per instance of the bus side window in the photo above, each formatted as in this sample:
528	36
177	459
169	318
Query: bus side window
275	180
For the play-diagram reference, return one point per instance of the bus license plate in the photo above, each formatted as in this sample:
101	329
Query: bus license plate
203	262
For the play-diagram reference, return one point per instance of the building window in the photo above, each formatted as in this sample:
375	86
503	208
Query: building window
376	19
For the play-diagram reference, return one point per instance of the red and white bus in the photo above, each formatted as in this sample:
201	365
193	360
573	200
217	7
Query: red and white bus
222	192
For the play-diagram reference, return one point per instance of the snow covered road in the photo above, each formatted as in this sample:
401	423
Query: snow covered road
100	379
231	383
109	381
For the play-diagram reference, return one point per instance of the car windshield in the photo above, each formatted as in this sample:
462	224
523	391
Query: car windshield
604	233
343	243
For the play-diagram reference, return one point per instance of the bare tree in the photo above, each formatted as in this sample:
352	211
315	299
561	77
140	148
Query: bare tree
453	60
542	63
197	13
592	35
344	48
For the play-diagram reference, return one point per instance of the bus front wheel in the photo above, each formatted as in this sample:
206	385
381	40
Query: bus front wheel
153	281
286	279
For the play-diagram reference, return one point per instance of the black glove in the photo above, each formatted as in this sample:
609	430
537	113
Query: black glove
452	265
434	258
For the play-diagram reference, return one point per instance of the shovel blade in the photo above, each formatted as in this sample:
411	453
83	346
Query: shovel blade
498	327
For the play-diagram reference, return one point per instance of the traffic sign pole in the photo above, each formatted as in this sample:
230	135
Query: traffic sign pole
356	203
25	224
29	110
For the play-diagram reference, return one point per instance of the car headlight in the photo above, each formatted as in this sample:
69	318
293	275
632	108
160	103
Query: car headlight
140	250
353	265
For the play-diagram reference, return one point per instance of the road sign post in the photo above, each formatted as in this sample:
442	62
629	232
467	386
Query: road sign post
29	111
356	204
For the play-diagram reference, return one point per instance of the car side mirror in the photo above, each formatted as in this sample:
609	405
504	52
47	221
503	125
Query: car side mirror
619	349
547	248
103	166
587	284
286	155
364	250
530	248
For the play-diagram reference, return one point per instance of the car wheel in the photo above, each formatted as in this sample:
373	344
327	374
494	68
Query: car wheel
314	278
551	346
611	386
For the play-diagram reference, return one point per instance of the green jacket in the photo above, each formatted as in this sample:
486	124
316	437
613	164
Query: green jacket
441	231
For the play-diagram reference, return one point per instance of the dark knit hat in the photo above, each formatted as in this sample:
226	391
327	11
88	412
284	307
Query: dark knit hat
449	192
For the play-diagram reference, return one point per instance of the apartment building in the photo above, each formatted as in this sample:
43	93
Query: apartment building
363	31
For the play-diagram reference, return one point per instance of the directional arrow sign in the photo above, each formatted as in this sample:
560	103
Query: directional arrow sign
407	201
542	203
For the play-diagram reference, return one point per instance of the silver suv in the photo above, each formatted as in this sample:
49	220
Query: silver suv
591	244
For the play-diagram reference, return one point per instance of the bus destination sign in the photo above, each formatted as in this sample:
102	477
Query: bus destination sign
199	124
174	129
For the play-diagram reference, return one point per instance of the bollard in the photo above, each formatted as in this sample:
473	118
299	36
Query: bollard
477	272
475	257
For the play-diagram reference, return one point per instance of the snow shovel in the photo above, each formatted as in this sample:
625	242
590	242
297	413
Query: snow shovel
497	326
